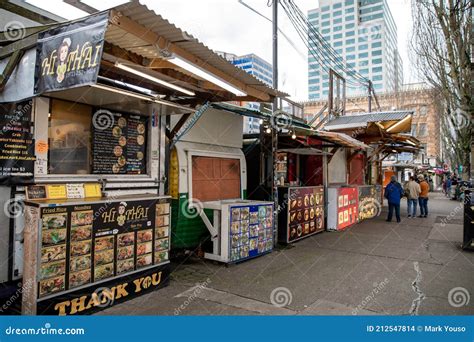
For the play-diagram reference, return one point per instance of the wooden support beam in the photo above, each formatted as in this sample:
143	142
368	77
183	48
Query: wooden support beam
178	125
332	153
7	72
147	35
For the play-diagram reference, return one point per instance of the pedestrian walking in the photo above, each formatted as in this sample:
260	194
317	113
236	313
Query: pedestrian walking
393	194
448	186
423	198
412	191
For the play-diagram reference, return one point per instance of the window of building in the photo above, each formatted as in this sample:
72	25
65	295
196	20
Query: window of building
314	88
349	10
363	46
363	55
313	15
423	110
325	23
377	78
377	53
377	69
326	16
339	51
350	26
336	13
337	28
314	73
378	86
325	84
350	33
350	49
325	8
422	130
376	44
337	36
338	43
349	2
377	61
349	57
350	41
337	21
413	129
324	31
370	9
337	5
364	71
363	63
350	18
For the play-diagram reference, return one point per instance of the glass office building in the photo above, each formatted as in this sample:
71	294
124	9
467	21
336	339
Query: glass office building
364	34
259	68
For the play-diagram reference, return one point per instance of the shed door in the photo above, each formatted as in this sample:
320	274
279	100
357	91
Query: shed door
215	178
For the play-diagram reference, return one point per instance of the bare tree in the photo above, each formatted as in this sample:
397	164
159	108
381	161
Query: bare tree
441	47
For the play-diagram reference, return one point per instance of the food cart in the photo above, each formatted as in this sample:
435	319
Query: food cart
208	181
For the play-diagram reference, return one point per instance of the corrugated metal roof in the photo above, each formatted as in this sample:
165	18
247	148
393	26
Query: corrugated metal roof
364	118
162	27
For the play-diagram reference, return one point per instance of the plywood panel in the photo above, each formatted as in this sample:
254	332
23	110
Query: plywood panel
215	178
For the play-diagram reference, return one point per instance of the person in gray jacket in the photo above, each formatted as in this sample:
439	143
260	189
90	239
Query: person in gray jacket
412	191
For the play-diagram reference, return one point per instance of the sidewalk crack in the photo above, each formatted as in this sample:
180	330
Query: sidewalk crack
415	305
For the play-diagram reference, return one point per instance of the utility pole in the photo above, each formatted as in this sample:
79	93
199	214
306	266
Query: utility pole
370	96
275	128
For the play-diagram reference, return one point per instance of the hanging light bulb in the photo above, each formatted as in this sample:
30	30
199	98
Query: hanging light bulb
268	130
293	135
260	121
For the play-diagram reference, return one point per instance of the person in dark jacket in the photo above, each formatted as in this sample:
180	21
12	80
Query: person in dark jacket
393	194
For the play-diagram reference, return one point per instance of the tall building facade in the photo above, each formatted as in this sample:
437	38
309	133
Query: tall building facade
364	34
259	68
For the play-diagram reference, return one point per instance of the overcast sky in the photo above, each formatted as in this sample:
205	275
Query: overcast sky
227	25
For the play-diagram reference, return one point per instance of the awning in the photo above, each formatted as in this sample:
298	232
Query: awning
140	39
341	139
391	121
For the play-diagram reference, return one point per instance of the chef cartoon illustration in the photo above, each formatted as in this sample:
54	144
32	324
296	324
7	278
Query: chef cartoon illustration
63	53
121	213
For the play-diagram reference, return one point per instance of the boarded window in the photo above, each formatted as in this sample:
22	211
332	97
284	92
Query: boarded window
215	178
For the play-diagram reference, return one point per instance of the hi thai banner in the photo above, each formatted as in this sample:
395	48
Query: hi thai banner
69	55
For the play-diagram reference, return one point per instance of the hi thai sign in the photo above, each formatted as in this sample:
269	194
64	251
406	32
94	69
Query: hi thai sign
69	55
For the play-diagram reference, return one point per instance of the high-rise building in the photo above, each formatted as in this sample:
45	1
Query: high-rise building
364	34
259	68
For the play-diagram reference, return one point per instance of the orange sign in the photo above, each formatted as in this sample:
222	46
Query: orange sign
41	146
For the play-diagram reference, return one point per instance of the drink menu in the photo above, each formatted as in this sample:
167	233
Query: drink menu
119	144
84	244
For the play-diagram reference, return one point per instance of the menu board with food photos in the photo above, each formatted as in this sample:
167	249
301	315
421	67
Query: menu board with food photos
369	205
347	207
302	214
119	143
87	243
251	231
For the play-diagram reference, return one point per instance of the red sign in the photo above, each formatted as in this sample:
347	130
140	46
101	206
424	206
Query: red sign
347	207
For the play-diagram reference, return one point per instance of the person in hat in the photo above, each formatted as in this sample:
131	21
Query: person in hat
423	198
393	193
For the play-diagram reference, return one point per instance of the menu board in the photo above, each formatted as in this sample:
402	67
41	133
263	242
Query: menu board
119	144
369	206
17	154
251	231
87	243
347	207
305	212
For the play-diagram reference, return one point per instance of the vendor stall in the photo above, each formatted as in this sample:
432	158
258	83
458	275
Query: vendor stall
82	253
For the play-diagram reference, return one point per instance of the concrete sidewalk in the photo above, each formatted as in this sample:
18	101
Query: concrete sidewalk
375	267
